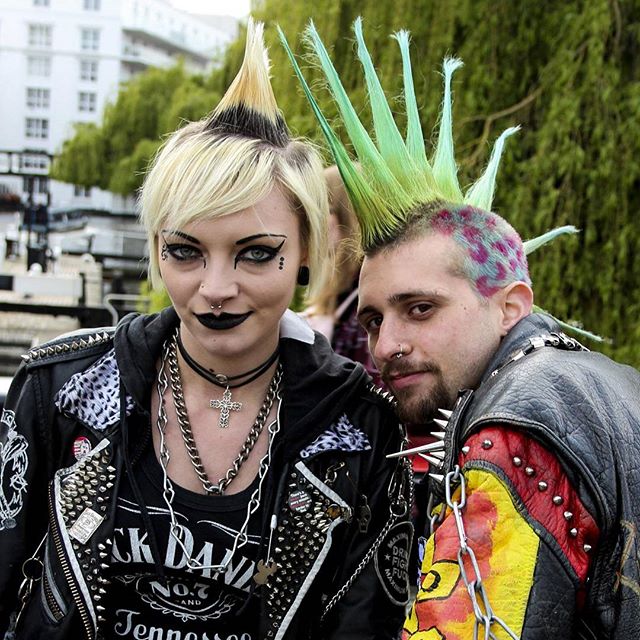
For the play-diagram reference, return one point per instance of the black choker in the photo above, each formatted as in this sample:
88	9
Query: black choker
219	379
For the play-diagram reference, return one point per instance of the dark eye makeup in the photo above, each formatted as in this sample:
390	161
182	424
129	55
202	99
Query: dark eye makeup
257	254
254	254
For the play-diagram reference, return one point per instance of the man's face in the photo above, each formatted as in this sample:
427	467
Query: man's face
412	298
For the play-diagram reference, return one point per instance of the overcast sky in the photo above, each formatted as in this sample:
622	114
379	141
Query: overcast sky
238	8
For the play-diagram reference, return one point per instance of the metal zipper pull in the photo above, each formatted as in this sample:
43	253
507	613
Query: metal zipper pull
32	569
364	514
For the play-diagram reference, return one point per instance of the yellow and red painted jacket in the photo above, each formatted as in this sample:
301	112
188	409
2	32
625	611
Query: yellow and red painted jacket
548	448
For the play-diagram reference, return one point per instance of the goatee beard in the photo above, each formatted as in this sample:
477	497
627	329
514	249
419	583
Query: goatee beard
413	408
420	410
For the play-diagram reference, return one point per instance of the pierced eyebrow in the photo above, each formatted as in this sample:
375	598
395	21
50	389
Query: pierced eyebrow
260	235
181	234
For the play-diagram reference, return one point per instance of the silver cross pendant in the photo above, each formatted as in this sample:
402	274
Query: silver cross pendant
225	405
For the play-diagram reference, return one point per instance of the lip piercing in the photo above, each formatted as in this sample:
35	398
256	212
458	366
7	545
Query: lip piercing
400	352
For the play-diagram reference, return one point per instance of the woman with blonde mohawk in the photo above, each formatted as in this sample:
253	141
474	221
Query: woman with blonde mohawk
534	503
213	471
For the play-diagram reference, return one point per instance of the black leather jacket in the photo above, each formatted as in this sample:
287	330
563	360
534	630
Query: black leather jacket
586	409
337	587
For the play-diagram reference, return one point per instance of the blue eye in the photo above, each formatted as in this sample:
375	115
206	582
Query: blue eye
258	254
183	252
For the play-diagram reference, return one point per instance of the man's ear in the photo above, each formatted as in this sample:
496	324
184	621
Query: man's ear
516	303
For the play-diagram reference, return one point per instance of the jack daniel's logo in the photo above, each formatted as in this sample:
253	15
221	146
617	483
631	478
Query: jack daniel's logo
131	545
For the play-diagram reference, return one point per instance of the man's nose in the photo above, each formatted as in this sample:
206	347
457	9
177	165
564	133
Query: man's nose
389	342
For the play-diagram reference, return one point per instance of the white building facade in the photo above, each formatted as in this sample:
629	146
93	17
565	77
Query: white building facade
62	60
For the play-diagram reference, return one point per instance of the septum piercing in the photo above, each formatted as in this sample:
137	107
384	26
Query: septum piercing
215	307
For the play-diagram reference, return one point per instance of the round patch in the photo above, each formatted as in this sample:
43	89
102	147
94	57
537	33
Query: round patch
81	447
392	562
299	501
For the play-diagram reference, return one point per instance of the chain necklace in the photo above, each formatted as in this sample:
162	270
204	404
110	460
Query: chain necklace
227	404
168	492
187	433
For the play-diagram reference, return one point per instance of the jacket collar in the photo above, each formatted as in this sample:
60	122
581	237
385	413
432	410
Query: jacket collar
535	324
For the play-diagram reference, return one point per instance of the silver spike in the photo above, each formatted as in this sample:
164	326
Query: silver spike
437	477
568	515
446	413
432	446
431	460
441	423
557	500
573	532
439	455
587	548
466	449
440	435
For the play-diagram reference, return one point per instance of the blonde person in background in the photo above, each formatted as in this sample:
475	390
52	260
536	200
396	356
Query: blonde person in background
213	470
332	310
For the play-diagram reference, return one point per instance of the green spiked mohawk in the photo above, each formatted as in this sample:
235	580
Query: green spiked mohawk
395	175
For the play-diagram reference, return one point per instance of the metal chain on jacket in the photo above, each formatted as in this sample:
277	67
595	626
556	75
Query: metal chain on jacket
378	541
482	611
187	433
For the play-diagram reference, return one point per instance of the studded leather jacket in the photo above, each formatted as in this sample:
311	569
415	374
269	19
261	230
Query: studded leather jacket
334	578
548	448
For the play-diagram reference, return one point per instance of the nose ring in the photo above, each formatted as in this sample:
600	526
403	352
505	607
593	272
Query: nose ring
216	307
400	352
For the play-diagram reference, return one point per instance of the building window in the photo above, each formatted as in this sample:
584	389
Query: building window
81	192
40	184
87	101
89	70
34	162
37	128
92	5
40	35
38	98
39	66
40	3
89	39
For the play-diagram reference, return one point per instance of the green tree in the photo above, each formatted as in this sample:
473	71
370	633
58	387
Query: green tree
567	72
115	154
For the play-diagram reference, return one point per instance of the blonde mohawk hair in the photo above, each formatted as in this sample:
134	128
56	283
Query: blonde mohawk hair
249	108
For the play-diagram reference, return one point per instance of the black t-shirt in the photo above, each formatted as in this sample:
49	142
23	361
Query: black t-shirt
189	604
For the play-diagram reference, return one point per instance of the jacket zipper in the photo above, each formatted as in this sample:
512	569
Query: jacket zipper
54	609
68	574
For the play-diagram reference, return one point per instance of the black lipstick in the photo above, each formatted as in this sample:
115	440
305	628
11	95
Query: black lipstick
223	321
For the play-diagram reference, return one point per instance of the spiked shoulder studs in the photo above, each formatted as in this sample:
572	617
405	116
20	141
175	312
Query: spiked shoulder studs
74	343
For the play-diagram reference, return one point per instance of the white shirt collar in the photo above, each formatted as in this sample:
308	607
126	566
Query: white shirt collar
294	327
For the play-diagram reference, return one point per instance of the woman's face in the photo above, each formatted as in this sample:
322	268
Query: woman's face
247	262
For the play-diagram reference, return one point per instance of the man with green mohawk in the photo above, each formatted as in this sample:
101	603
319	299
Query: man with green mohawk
534	477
